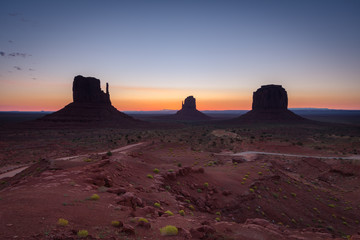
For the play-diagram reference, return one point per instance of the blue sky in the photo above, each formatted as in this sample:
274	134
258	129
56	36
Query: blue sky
155	53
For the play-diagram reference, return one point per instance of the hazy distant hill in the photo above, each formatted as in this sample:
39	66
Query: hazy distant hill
318	114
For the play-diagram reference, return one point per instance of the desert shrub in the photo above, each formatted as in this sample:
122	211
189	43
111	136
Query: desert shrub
179	164
199	190
206	185
169	230
115	223
170	170
331	205
192	207
168	212
182	212
95	197
63	222
218	213
143	220
109	153
251	190
87	160
156	170
260	173
217	219
157	205
82	233
167	187
293	194
150	176
187	200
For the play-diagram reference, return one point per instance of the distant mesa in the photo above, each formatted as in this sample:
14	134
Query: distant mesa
270	103
90	105
188	112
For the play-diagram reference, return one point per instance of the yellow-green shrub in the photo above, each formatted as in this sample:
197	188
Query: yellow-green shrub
82	233
63	222
169	213
169	230
115	223
95	197
142	220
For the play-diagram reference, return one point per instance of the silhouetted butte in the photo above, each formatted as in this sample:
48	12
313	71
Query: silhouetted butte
90	105
270	103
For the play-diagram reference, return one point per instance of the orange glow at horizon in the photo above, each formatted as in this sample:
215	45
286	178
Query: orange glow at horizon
53	97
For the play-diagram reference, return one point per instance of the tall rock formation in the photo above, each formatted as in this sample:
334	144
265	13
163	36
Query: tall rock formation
90	105
87	89
270	103
189	104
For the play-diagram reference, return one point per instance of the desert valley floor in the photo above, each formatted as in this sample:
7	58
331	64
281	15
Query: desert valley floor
210	182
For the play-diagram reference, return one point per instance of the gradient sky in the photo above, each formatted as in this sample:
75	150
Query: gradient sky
154	54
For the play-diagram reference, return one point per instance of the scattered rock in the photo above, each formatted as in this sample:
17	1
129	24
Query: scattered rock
129	199
117	191
129	230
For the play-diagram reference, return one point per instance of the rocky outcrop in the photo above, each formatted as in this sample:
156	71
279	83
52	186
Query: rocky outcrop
270	103
91	105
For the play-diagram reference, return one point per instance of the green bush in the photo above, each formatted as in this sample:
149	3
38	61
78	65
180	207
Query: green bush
150	176
157	205
109	153
156	170
206	185
182	212
82	233
199	190
169	230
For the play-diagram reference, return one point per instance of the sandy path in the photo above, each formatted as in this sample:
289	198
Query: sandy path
252	153
69	158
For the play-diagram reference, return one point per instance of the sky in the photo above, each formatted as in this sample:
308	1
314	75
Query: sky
154	53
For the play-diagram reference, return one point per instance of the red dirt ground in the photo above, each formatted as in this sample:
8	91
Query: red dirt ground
223	197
